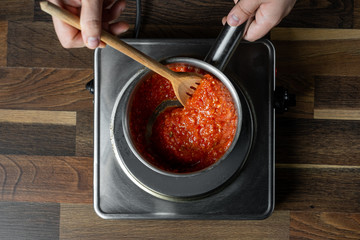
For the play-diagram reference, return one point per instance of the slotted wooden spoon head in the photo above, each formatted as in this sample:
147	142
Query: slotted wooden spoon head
184	85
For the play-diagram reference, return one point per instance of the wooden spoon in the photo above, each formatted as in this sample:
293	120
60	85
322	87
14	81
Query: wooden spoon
183	83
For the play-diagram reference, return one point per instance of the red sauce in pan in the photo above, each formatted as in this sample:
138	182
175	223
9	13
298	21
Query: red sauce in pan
184	139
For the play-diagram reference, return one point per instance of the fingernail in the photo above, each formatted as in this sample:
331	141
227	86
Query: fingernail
233	20
93	42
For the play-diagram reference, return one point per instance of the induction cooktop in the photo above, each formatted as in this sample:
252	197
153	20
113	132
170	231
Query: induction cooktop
247	194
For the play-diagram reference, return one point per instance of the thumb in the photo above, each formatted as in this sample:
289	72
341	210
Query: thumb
242	11
91	22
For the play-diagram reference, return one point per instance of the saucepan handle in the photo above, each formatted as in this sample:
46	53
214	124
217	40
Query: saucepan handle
226	43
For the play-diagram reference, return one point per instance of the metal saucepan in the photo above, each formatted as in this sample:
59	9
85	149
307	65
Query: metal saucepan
186	185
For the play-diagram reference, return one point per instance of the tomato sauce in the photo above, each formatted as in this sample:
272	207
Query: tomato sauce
185	139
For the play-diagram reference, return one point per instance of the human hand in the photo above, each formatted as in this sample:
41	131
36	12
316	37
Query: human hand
95	15
268	14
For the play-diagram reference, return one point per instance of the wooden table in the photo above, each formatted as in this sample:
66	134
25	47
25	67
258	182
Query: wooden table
46	126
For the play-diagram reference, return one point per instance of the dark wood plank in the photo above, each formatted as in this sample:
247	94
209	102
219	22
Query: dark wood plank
321	14
176	31
29	220
3	43
37	139
35	44
157	23
16	9
315	14
356	14
337	97
324	225
85	134
204	12
323	67
86	225
309	141
329	58
47	89
303	87
167	30
313	34
46	179
40	15
337	92
317	188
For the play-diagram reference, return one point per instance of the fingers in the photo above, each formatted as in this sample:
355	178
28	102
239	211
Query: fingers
118	28
73	3
267	16
264	21
257	30
268	13
90	21
114	11
242	11
94	15
69	37
112	14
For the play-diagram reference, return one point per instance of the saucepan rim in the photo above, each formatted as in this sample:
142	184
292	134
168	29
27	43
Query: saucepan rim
139	78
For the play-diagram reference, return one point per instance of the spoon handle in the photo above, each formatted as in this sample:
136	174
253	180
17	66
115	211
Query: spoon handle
111	40
137	55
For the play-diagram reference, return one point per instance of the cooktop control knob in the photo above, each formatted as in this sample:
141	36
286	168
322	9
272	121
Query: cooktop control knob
90	86
283	100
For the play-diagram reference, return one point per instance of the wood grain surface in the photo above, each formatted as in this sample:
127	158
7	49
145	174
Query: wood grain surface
46	125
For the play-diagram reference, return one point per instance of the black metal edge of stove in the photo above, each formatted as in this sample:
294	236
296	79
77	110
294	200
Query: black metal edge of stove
271	206
271	186
271	173
96	195
104	215
272	163
271	48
